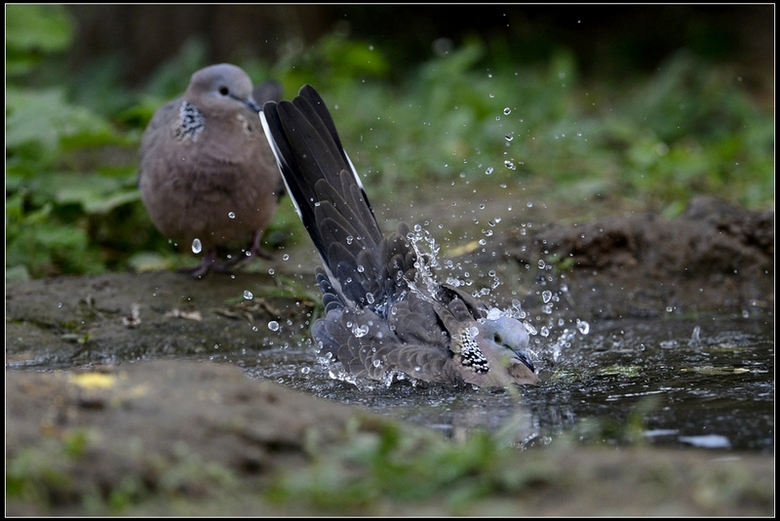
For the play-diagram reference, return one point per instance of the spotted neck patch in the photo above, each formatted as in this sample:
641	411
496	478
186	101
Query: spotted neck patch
191	122
470	353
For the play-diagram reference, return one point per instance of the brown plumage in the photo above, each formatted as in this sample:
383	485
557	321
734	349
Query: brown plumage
385	312
206	171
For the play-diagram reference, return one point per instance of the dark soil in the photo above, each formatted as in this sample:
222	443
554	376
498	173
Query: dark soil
112	408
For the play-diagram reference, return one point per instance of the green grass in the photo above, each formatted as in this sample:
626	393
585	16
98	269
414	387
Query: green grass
72	206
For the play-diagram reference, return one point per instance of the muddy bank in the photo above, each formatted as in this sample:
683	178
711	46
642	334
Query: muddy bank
199	438
715	258
112	404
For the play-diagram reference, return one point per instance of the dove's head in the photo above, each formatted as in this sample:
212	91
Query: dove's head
503	342
221	86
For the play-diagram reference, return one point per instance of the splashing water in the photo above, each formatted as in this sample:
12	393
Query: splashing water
425	247
360	331
552	337
425	285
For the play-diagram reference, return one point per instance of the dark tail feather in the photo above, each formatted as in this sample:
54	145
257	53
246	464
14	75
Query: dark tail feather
323	184
307	94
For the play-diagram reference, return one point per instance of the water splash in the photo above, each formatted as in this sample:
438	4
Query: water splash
583	327
695	340
553	338
426	250
359	331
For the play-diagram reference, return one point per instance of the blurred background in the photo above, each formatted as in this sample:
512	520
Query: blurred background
595	109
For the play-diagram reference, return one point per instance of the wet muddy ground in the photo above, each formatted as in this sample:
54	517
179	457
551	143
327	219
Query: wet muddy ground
113	404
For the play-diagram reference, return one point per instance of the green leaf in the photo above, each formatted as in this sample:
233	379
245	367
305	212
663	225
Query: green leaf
44	117
45	28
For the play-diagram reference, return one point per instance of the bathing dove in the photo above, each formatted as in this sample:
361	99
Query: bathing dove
207	176
386	315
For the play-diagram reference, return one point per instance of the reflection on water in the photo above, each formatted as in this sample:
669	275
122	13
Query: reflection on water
705	383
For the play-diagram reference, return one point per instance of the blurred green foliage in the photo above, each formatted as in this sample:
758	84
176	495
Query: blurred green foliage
391	464
72	206
409	466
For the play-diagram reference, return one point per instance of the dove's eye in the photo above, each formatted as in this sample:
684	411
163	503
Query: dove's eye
224	90
497	338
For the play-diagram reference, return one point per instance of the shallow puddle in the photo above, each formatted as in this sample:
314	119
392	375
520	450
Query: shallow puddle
707	382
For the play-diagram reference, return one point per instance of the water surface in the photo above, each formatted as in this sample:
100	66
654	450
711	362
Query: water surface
706	382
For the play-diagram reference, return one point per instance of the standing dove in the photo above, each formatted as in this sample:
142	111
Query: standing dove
385	313
207	175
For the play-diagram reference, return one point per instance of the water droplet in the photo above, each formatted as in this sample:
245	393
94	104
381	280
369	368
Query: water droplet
271	271
248	294
489	170
509	137
273	325
231	215
510	165
305	370
583	327
494	314
360	331
546	295
197	247
286	256
695	337
541	264
507	111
